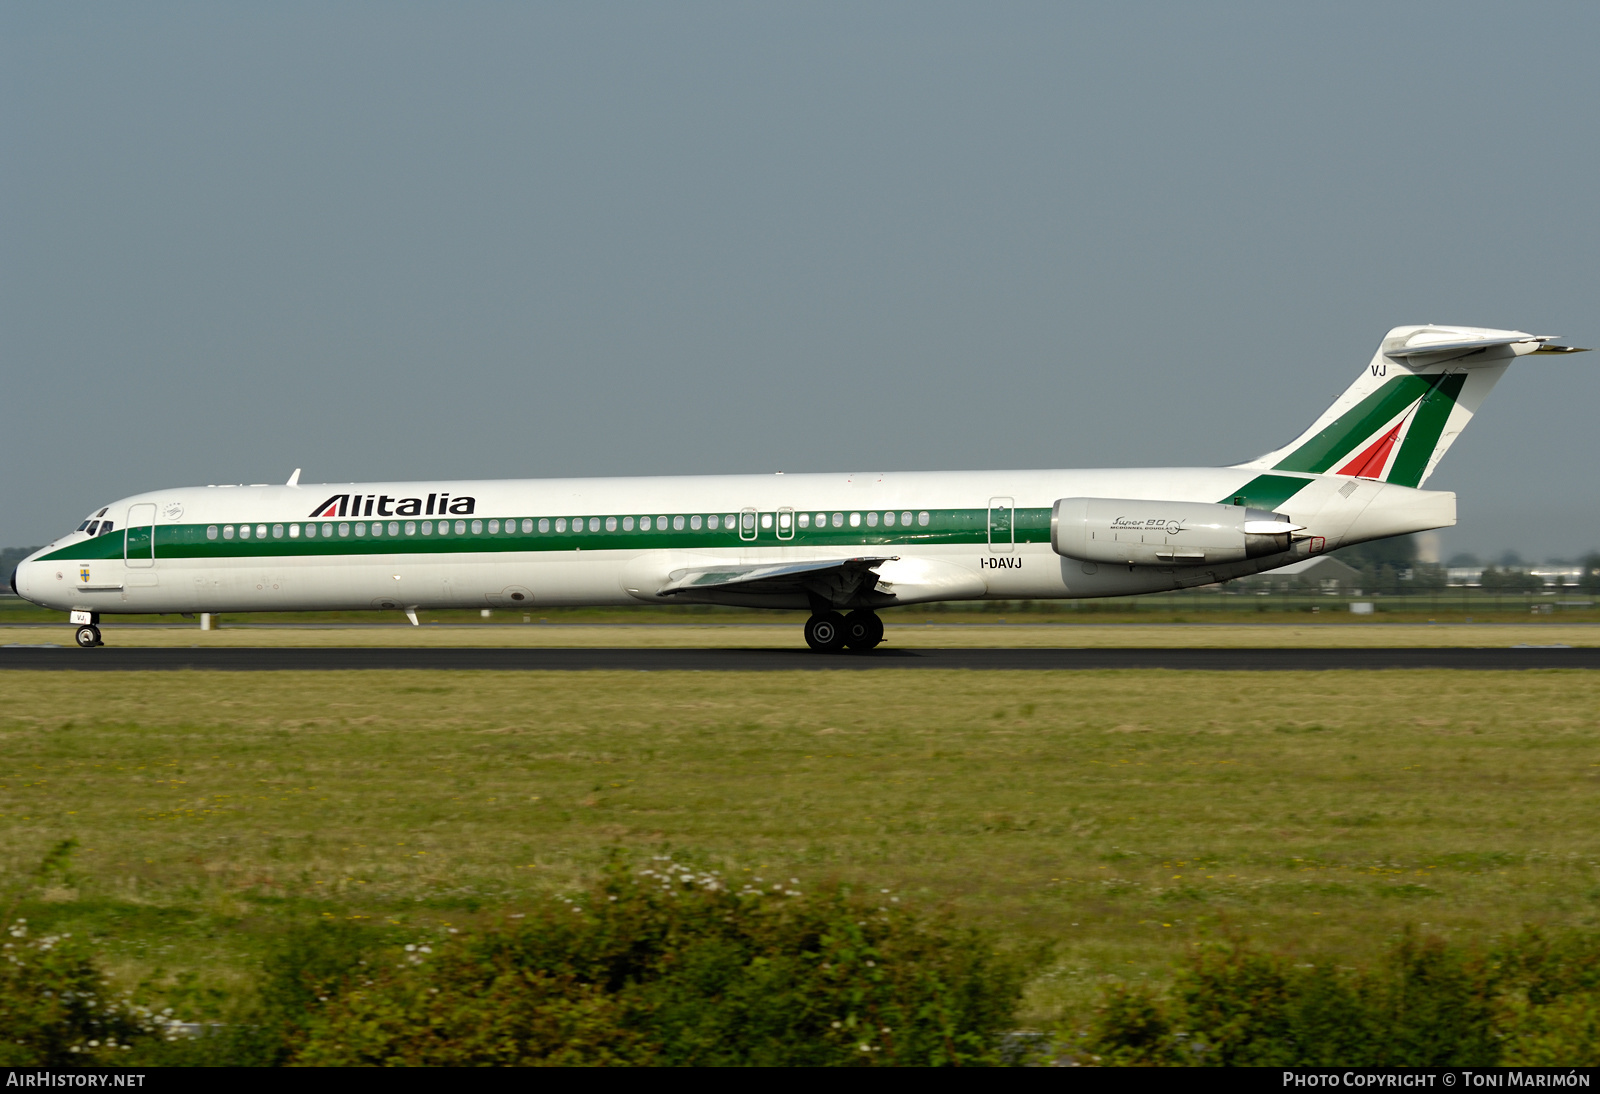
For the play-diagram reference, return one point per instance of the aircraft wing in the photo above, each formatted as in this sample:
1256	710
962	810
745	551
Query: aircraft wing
843	575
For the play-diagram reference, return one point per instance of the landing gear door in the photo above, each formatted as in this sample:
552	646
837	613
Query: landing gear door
1002	526
139	536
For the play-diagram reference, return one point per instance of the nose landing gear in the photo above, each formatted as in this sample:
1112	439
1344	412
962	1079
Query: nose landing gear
830	632
88	635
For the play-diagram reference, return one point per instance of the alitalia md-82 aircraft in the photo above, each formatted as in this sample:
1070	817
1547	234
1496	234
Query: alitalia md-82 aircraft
841	545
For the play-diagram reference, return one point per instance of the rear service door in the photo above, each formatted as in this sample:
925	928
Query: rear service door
139	536
1002	529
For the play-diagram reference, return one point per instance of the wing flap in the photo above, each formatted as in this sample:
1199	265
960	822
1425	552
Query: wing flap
784	577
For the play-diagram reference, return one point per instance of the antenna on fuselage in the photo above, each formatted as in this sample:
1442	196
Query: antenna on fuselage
294	479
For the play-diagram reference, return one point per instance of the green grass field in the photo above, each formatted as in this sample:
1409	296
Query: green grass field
1122	814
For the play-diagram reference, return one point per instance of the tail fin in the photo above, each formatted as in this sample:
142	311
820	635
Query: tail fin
1402	414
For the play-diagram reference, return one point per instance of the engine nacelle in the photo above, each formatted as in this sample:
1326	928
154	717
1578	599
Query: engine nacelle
1165	533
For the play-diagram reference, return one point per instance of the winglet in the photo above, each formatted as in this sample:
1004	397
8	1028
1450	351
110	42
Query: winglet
294	479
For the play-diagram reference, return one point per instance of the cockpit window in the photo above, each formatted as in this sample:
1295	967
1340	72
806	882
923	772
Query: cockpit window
106	526
84	527
94	527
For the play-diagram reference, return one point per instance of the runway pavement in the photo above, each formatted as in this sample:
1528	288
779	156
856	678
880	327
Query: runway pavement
235	659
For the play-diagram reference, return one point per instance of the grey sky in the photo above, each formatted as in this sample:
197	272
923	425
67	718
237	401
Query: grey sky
453	240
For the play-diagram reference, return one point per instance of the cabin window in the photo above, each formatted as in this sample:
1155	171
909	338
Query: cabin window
627	524
695	522
644	524
594	524
838	520
544	524
211	532
872	520
344	529
611	524
784	520
727	522
766	520
711	522
227	531
923	518
294	531
244	531
311	531
905	519
361	528
427	527
494	527
805	520
394	528
749	522
888	520
377	527
661	524
561	524
327	529
461	527
527	527
411	527
822	519
477	527
261	531
677	524
855	520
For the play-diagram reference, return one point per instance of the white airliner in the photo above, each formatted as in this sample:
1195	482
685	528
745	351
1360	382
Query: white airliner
832	543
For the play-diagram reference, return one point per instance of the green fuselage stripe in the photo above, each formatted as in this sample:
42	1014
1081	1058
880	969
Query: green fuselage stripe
1266	491
945	526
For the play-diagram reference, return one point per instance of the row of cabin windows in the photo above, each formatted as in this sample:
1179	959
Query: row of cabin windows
561	524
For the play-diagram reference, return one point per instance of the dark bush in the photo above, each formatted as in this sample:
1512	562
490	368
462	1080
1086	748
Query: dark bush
57	1009
669	965
1424	1005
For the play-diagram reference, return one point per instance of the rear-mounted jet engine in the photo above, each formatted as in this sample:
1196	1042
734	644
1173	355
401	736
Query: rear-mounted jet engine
1165	533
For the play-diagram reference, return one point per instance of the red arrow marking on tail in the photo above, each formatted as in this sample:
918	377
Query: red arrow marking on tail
1370	464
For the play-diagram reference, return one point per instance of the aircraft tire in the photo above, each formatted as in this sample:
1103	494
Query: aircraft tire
825	632
89	637
862	630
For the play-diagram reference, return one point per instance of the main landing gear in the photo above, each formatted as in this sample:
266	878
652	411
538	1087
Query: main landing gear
830	632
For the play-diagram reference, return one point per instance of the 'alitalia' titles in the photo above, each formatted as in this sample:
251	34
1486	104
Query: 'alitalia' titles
379	505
